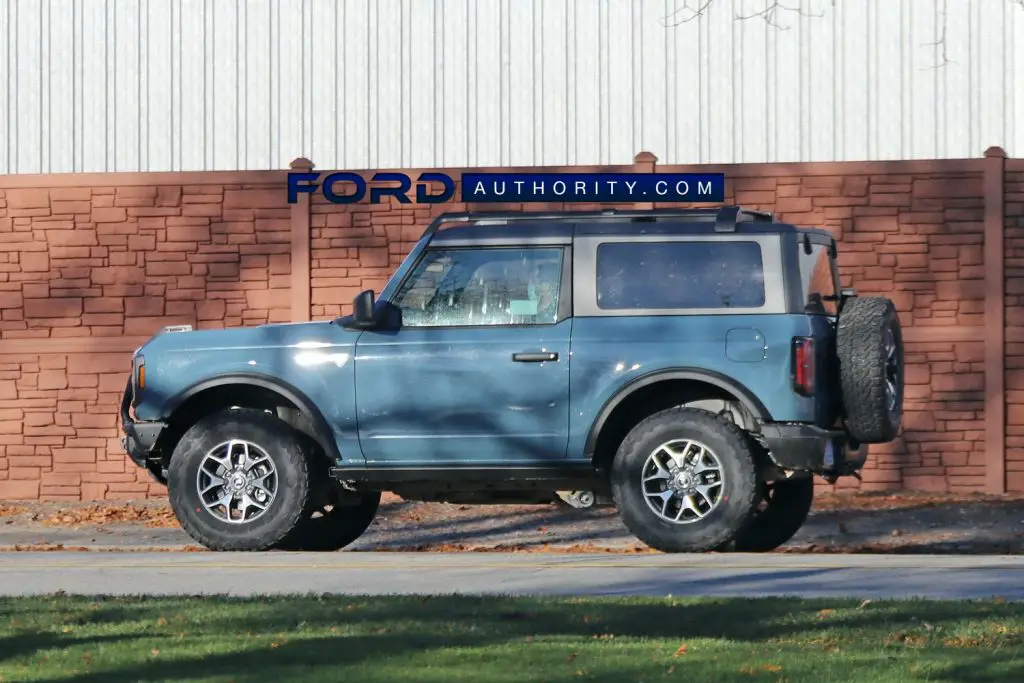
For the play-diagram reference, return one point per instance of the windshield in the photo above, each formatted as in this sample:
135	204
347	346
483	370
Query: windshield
818	279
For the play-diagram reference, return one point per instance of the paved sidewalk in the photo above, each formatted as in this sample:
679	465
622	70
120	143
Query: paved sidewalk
861	576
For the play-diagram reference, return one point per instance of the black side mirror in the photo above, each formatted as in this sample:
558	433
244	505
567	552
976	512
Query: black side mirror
364	309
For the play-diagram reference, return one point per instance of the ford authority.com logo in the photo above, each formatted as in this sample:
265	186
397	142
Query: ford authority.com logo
345	187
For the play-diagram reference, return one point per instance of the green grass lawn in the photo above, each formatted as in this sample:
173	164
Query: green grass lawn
489	640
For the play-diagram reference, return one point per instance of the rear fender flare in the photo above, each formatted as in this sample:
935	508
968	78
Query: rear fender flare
747	399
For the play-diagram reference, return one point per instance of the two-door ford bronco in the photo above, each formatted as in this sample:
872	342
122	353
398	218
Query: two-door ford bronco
695	368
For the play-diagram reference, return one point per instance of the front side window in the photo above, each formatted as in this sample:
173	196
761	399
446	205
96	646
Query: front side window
817	280
487	286
680	275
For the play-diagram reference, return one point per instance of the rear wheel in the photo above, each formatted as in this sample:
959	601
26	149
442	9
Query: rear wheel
782	511
685	480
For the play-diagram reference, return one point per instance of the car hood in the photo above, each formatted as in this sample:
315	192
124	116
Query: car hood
319	334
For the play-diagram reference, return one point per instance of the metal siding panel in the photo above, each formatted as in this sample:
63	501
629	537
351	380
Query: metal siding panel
521	94
456	93
323	78
423	98
193	56
29	66
93	90
289	43
1013	104
257	66
824	86
60	121
553	83
653	64
123	85
357	81
621	89
7	101
487	106
886	114
387	82
224	85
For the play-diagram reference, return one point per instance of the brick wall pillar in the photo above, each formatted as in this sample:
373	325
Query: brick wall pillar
645	162
301	284
995	322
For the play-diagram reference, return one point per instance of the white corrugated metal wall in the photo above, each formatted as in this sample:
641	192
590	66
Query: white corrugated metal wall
125	85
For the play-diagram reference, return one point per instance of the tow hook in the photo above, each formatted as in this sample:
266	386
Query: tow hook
581	500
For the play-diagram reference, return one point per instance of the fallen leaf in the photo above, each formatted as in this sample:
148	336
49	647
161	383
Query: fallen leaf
161	621
774	668
864	604
570	658
154	652
681	650
671	669
824	614
274	646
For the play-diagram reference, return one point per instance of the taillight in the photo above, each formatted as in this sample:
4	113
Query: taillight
803	365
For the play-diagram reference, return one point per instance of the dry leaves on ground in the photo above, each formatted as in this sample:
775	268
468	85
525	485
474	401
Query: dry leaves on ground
103	513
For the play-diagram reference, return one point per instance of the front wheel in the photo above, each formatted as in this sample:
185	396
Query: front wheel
240	480
685	480
334	525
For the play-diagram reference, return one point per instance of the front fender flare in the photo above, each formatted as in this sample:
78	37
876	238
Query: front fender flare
323	433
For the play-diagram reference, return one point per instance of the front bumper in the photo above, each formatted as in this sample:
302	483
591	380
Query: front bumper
139	438
808	448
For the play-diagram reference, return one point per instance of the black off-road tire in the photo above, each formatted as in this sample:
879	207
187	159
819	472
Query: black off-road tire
737	456
786	505
291	458
865	328
333	527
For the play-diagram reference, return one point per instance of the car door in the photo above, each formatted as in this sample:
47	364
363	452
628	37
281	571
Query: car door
478	372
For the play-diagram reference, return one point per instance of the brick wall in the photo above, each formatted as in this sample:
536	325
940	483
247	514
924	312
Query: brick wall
92	265
1014	296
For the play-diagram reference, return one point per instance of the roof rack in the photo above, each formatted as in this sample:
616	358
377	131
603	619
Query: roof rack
725	218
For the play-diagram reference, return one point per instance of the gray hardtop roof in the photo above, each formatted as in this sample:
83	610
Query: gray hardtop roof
494	226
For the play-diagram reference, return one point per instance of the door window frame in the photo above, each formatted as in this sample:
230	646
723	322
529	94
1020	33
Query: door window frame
564	309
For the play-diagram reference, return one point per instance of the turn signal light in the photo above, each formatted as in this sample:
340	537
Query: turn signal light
140	380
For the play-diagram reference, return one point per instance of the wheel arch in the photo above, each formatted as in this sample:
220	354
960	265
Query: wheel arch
209	395
726	388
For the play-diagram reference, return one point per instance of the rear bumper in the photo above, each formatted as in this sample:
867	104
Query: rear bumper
139	438
808	448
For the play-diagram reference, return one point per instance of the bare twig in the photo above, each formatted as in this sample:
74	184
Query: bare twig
686	14
939	44
768	14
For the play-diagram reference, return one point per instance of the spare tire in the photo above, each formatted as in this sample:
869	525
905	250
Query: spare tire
869	343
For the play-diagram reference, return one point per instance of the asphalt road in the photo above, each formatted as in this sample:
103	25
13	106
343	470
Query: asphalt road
861	576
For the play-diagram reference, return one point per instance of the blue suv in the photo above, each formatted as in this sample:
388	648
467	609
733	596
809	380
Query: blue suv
692	367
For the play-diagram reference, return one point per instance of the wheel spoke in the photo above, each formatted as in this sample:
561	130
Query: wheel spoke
214	483
260	484
660	471
704	491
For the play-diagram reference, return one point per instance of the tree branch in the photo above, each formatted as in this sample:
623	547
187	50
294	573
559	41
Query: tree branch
773	8
678	17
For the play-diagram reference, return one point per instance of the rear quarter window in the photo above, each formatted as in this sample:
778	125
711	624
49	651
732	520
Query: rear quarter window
679	275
